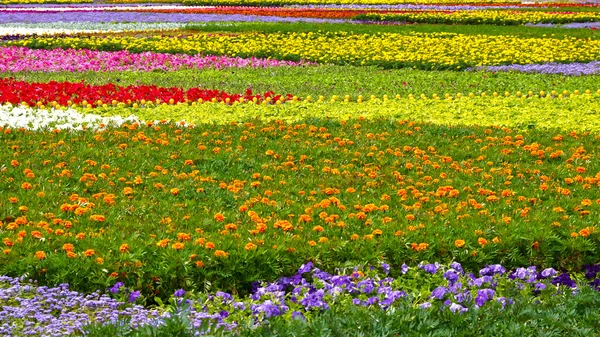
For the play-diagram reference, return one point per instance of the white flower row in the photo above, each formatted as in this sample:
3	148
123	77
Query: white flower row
17	117
83	27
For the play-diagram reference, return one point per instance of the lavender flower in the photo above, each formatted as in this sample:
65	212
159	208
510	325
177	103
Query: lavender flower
133	296
179	293
454	307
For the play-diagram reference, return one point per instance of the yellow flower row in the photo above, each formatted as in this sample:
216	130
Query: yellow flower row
486	17
423	50
521	111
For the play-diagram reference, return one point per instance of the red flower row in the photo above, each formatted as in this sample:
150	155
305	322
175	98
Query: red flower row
65	93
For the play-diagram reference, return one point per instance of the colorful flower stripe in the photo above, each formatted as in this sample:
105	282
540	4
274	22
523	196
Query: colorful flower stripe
428	51
542	113
336	2
454	6
15	59
13	29
131	16
67	93
448	288
56	119
272	11
484	17
576	69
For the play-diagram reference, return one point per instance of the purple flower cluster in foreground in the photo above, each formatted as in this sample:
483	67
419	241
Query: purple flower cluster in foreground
132	16
43	311
15	59
29	310
576	69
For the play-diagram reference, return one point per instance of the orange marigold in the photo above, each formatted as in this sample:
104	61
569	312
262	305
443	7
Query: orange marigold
221	253
124	248
40	255
459	243
89	252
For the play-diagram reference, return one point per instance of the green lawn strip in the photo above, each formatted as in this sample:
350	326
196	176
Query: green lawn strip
270	27
332	80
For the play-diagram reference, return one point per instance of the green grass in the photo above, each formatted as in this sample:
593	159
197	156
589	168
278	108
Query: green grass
268	27
332	80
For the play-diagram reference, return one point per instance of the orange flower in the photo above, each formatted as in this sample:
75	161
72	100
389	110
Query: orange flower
312	243
128	191
40	255
163	243
26	186
97	217
89	252
99	260
221	253
68	247
250	246
319	229
184	236
124	248
199	264
482	242
71	254
459	243
209	245
174	191
219	217
178	246
378	232
13	200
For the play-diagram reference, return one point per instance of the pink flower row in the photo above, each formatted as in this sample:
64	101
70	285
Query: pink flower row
14	59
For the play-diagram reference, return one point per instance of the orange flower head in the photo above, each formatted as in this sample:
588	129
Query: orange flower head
89	252
459	243
124	248
250	246
40	255
219	217
178	246
221	253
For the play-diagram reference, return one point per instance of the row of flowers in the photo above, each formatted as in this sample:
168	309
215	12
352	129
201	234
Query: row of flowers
31	309
68	93
483	17
423	50
433	15
467	109
102	16
16	59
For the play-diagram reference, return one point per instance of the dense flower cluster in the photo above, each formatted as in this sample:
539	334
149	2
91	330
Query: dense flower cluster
436	50
86	95
219	208
575	68
484	17
30	309
16	59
